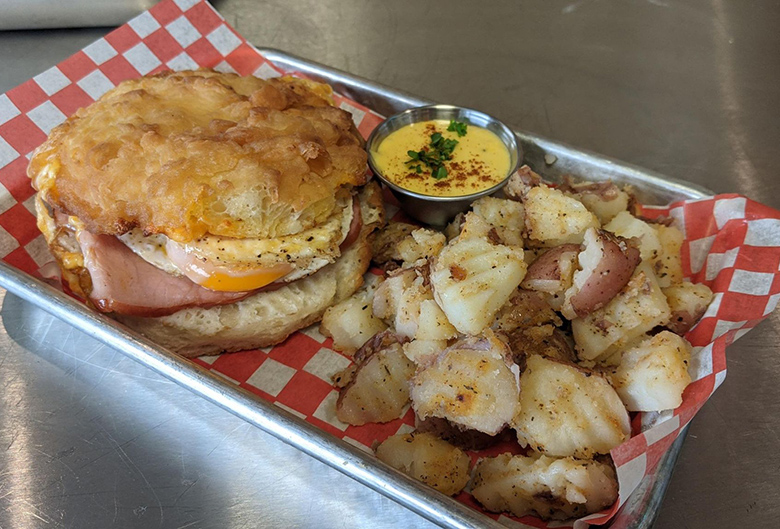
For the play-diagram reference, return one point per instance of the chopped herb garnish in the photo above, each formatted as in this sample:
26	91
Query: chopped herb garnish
457	127
435	154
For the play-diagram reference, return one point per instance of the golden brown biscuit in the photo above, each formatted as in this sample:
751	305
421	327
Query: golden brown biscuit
187	154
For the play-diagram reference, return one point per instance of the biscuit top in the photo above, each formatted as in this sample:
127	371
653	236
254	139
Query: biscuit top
188	154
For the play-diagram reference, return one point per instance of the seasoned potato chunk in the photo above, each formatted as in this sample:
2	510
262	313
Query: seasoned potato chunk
545	340
471	384
525	309
407	318
639	307
473	278
475	227
427	458
399	241
688	303
566	410
433	323
405	301
552	218
388	295
668	265
421	244
352	322
627	226
452	229
523	180
604	199
553	270
553	489
385	244
606	265
424	352
379	388
506	216
552	273
653	374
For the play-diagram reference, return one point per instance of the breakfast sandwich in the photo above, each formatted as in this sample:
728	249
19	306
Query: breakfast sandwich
208	211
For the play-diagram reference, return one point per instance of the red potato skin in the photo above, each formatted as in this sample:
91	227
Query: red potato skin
348	378
528	176
618	262
606	191
546	266
682	321
376	343
520	182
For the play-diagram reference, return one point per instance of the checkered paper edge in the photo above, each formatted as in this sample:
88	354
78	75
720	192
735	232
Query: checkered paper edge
731	243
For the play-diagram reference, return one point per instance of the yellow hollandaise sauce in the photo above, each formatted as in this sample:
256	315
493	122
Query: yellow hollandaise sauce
441	159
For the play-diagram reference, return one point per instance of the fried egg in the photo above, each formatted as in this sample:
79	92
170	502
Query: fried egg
241	265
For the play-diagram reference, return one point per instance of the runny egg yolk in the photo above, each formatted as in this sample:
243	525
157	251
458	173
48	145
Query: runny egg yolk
223	278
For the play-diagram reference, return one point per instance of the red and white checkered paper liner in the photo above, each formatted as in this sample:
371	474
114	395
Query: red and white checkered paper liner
732	244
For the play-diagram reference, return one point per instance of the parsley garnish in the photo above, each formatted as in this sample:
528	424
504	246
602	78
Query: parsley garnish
438	151
458	127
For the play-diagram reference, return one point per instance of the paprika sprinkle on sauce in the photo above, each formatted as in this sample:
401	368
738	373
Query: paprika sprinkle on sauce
442	158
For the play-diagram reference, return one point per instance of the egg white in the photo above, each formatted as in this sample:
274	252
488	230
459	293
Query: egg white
307	251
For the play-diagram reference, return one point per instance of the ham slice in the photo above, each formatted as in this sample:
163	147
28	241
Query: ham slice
354	226
124	283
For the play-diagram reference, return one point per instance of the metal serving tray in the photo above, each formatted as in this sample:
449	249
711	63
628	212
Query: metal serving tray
552	159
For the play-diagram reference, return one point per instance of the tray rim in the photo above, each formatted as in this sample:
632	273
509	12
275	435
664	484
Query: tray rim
337	77
285	426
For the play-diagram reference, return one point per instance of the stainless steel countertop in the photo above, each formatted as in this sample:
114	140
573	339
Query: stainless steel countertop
90	439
